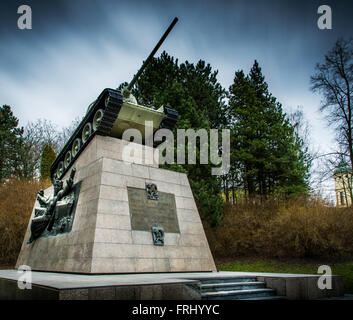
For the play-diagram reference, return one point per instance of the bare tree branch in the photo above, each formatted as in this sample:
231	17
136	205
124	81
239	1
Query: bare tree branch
334	79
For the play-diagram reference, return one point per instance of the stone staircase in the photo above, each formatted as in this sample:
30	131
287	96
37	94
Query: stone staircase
236	288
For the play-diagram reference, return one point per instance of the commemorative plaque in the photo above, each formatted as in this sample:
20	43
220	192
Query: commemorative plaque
146	213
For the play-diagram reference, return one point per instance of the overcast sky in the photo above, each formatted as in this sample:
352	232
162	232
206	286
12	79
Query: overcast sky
77	48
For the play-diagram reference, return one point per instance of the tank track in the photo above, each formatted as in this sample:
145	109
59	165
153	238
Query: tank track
110	101
113	104
167	123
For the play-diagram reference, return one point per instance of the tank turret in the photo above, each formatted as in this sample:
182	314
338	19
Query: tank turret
111	114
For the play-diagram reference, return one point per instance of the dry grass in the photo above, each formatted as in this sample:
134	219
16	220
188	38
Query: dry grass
17	198
296	229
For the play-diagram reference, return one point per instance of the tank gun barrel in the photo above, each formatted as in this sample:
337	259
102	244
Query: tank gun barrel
133	81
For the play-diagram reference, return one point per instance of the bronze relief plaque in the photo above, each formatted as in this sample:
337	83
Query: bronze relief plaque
146	213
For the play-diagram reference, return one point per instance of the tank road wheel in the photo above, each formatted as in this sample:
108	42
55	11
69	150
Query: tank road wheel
76	147
86	132
67	159
97	119
60	170
106	100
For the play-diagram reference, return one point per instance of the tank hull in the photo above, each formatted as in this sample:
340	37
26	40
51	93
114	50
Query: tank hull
110	115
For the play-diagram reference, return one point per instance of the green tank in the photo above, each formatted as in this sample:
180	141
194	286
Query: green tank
111	114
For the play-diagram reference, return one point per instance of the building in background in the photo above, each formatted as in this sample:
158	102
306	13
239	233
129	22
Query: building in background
343	185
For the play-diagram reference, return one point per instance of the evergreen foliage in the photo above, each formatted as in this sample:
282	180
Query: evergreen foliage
47	159
267	155
11	142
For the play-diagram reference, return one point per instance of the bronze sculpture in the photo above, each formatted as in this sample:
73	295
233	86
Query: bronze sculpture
151	191
49	219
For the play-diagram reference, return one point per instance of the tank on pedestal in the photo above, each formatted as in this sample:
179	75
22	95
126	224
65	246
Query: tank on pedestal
111	114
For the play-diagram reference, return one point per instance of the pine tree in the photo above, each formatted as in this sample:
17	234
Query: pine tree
264	144
48	157
10	144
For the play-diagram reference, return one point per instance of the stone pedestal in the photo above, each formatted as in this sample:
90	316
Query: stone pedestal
103	238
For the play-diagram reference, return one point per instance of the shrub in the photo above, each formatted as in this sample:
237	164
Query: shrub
302	228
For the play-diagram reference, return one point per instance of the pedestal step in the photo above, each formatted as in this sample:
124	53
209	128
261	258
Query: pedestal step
242	288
